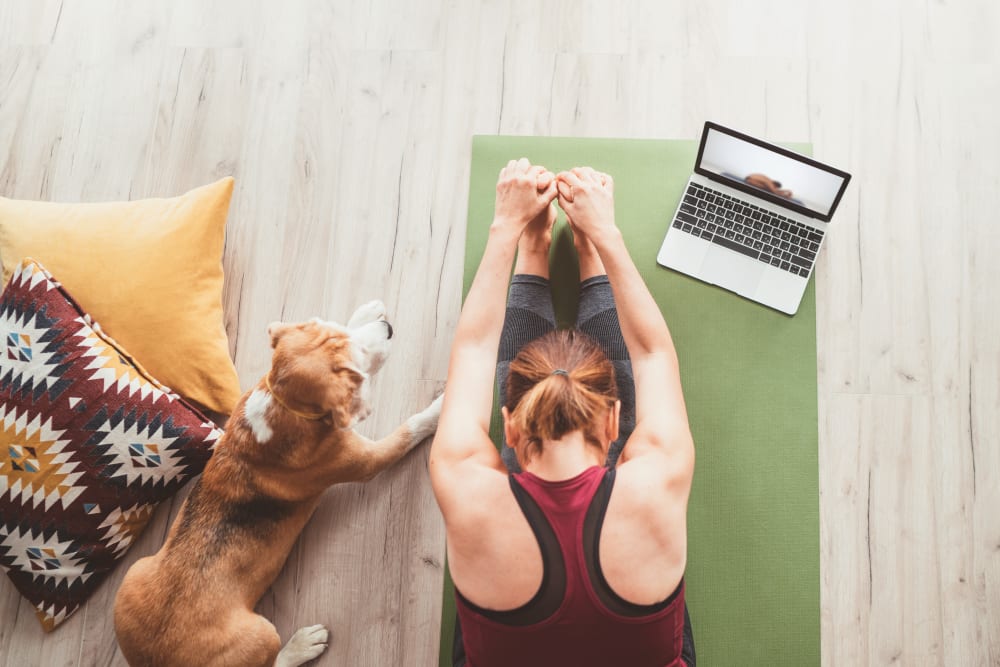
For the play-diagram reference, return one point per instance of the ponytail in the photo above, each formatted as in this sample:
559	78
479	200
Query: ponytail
559	383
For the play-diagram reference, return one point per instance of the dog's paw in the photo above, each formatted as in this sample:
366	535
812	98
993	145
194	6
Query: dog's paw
369	312
434	409
423	424
306	644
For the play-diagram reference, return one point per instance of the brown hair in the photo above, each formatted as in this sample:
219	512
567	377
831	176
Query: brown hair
558	384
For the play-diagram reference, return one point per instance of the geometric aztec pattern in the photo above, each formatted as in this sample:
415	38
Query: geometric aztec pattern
90	443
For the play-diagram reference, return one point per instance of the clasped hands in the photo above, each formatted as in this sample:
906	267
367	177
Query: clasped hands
527	194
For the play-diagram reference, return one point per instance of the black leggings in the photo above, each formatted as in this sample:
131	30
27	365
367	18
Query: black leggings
529	316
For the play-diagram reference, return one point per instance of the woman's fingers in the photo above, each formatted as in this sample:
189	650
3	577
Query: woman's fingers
565	192
543	177
571	178
544	182
546	188
607	181
550	192
586	174
523	167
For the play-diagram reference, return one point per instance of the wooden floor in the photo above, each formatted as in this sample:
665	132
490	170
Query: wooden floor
348	128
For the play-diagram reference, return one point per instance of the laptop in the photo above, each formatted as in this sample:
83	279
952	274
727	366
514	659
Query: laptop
752	218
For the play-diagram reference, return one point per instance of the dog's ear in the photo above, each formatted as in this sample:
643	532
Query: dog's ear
275	330
341	396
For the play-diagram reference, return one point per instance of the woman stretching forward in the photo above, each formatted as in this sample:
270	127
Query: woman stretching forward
571	548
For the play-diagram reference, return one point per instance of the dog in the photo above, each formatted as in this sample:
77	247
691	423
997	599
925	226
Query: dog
287	441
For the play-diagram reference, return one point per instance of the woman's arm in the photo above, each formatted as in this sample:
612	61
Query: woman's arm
661	416
523	193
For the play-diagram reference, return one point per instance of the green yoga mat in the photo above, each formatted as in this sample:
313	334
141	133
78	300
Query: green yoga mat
749	376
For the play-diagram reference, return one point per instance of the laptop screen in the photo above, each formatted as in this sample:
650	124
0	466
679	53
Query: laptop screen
770	172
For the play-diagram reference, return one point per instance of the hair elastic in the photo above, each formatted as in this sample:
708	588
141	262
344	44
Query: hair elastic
559	371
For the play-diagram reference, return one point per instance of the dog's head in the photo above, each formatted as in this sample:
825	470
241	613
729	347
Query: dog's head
320	370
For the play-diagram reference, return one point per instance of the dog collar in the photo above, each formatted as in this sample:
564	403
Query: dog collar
311	416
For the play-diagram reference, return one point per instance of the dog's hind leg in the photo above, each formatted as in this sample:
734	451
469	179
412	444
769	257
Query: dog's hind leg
250	639
305	645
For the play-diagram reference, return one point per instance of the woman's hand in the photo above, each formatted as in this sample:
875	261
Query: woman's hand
523	192
587	197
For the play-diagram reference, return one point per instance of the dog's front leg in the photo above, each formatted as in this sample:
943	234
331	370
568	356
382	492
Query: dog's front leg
373	456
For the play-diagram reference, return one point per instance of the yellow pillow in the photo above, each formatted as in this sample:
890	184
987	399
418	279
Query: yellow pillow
150	271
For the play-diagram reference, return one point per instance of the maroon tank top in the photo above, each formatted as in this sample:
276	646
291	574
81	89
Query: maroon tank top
574	618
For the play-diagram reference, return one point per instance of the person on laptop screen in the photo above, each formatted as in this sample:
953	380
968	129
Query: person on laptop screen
767	184
569	547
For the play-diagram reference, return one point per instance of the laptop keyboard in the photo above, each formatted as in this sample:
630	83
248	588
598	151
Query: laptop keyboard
748	229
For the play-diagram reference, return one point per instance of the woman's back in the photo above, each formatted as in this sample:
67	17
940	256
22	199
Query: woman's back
576	615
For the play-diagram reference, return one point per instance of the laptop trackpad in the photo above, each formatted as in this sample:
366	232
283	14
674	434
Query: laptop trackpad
732	270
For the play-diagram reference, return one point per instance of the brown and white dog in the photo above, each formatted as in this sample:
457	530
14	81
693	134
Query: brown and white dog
287	441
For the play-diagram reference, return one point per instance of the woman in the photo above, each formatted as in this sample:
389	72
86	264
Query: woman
574	556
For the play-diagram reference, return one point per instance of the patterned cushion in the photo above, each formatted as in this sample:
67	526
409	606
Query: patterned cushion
89	444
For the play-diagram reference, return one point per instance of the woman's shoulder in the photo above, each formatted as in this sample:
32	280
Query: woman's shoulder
471	494
654	478
492	550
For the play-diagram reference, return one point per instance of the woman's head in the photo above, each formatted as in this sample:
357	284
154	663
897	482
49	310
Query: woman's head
560	383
